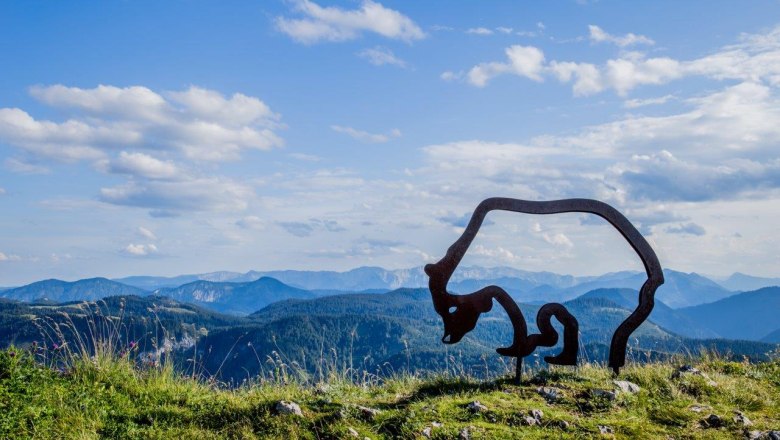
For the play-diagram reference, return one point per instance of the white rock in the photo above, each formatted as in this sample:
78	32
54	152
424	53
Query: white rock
626	386
550	394
285	407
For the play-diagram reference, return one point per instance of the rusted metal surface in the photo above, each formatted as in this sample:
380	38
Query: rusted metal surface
461	312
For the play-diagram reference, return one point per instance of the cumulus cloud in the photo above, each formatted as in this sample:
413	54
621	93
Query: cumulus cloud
198	123
364	136
524	61
755	58
598	35
335	24
380	56
142	165
158	141
663	176
722	148
140	250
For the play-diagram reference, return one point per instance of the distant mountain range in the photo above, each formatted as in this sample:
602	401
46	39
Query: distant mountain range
680	290
688	304
377	333
750	315
63	291
739	282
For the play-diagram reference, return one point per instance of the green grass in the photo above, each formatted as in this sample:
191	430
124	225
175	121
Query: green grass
107	396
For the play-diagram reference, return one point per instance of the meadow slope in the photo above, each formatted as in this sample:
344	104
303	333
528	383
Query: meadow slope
108	396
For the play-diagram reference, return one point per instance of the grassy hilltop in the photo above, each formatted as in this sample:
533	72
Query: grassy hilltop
108	396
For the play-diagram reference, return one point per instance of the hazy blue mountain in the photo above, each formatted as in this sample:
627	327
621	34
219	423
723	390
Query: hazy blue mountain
238	298
153	283
773	337
663	315
679	289
359	279
749	315
740	282
62	291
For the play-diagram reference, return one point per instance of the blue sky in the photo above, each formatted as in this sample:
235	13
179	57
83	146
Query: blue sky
141	137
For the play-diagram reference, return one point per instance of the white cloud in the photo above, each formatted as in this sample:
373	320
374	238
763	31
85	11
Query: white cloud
756	58
504	30
587	77
336	24
146	233
2	191
198	123
498	252
598	35
480	31
627	73
524	61
142	165
558	239
68	141
380	56
367	137
722	148
140	250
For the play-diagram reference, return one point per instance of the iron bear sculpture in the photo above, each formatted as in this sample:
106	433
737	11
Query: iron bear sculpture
461	312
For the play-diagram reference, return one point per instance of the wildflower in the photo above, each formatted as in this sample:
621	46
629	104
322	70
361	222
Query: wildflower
55	346
12	354
133	344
